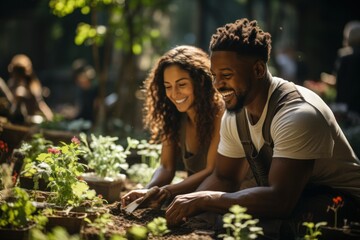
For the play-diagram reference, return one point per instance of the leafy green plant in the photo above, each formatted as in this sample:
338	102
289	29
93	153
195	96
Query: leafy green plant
60	166
104	155
32	148
150	159
140	173
102	224
150	153
240	225
313	231
60	123
5	176
28	152
57	233
156	228
18	211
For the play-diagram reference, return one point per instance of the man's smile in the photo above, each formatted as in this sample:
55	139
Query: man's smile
227	94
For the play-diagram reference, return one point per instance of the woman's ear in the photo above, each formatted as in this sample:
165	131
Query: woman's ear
259	69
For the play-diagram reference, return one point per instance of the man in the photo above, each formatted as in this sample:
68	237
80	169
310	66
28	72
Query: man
311	162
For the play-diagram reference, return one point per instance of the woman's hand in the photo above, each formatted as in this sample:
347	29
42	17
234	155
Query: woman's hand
158	197
132	196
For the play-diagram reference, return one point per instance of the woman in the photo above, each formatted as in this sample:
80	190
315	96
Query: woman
183	111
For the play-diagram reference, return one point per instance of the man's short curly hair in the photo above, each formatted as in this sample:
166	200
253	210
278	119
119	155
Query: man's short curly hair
244	37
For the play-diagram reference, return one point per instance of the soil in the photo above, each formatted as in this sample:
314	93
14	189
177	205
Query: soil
123	221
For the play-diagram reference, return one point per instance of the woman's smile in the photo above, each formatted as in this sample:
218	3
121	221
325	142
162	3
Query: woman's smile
181	100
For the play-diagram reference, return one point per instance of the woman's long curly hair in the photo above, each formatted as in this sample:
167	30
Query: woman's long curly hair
161	116
244	37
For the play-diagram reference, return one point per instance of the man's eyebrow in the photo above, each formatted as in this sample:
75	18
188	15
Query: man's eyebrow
228	69
222	69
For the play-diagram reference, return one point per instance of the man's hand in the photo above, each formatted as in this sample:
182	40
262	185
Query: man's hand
188	205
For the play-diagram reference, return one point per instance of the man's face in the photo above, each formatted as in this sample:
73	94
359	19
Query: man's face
233	77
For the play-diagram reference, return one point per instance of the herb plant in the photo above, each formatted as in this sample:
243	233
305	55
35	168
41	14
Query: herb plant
150	160
57	233
60	166
28	152
19	212
36	145
156	228
104	155
6	181
102	224
313	231
240	225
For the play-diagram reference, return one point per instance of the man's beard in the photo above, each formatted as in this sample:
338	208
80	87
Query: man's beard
240	100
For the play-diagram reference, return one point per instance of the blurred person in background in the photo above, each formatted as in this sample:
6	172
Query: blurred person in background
347	68
28	103
84	76
6	98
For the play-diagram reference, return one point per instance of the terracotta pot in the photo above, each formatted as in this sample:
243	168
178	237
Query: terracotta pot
109	188
16	234
91	213
39	196
72	221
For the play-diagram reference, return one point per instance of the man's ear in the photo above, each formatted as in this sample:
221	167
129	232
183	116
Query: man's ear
259	69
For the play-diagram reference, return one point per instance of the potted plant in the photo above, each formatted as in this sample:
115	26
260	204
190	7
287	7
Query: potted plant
69	220
150	159
60	166
17	213
25	157
107	160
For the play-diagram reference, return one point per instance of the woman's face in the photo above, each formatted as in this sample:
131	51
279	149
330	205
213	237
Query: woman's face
179	88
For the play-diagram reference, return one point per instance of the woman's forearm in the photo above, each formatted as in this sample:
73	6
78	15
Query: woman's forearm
161	177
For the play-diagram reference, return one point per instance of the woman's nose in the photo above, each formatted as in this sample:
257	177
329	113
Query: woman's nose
174	92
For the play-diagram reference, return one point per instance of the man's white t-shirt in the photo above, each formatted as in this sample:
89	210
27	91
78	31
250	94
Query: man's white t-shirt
301	130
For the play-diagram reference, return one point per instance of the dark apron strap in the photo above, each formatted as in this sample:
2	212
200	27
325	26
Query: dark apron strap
260	161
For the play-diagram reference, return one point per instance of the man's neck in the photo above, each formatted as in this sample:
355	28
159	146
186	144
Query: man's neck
256	107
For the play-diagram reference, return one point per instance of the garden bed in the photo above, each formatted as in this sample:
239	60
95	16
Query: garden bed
123	221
